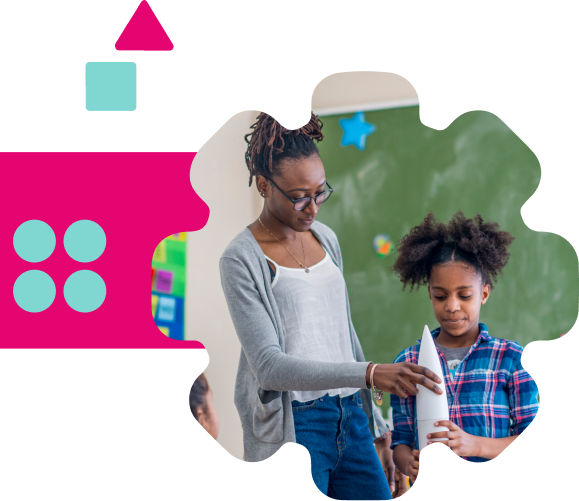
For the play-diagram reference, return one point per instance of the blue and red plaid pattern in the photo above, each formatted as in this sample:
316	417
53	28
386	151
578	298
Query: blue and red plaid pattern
491	394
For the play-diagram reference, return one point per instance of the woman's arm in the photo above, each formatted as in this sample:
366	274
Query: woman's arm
273	369
277	371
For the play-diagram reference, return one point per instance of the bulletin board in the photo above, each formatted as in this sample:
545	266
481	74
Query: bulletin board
168	277
388	170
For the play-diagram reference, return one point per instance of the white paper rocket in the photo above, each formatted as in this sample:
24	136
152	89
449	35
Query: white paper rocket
430	407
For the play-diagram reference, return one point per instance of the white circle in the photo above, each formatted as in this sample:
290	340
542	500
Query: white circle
178	83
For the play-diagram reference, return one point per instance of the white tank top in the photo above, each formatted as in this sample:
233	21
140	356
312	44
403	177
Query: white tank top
313	311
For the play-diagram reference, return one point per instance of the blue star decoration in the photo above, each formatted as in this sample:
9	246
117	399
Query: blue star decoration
356	129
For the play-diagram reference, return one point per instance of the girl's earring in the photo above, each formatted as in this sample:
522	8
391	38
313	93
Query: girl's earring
262	194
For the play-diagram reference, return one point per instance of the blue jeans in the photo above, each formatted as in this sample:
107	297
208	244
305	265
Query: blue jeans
335	432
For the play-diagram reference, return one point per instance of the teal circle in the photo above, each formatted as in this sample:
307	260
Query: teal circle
34	291
85	241
34	241
85	291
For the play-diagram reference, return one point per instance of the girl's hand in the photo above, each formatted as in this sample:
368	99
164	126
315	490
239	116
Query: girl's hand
459	441
413	465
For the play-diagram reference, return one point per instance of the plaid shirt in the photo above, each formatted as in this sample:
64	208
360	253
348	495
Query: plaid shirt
491	394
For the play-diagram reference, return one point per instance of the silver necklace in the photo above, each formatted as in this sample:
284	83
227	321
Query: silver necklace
291	254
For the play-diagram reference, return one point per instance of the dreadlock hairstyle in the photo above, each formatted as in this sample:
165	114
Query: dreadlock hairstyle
269	143
471	241
198	396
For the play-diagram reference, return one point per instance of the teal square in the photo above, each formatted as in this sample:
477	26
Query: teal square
111	86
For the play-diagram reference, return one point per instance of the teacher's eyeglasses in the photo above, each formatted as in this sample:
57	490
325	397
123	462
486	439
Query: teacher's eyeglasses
302	203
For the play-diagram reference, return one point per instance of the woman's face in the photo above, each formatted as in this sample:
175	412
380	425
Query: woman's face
296	178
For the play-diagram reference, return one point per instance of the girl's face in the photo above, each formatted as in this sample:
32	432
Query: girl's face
209	418
457	294
296	178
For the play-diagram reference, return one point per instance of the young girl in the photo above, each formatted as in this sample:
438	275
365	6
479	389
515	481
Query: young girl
302	376
491	398
202	406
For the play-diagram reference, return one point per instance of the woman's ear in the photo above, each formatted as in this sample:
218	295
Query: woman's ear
262	185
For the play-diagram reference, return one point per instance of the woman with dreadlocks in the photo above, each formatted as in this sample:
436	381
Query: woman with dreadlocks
302	376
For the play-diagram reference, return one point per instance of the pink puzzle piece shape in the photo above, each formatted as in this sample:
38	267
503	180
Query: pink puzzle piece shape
114	190
144	32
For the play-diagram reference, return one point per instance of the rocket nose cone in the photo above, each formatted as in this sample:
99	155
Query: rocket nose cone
427	355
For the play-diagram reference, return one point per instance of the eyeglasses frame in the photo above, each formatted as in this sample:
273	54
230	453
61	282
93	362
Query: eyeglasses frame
294	201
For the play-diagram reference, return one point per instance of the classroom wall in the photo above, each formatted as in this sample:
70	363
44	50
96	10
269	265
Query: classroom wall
360	88
219	175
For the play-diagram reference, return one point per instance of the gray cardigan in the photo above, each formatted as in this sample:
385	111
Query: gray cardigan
266	375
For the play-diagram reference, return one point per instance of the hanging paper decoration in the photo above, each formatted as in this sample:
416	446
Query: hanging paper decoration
382	245
356	129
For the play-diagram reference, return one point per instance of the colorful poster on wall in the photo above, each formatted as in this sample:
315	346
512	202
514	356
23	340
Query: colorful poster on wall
168	276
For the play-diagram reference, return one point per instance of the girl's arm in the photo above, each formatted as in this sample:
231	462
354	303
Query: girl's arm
403	434
523	406
466	445
490	448
402	457
523	396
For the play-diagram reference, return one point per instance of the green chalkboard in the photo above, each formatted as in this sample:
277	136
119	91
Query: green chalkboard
477	165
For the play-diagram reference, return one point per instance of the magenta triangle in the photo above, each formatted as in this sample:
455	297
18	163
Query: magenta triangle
144	32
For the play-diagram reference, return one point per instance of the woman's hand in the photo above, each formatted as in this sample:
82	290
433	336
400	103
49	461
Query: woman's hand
459	441
385	455
413	465
402	378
